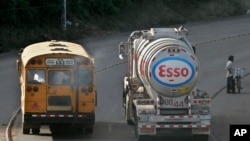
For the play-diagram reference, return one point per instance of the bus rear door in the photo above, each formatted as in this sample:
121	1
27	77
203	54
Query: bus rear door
60	92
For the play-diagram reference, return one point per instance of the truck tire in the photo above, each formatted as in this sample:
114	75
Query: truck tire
128	111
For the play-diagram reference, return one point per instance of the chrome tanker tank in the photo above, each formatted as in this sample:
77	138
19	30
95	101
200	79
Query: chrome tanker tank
167	64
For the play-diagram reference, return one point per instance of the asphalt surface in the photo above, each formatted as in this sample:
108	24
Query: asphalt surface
215	40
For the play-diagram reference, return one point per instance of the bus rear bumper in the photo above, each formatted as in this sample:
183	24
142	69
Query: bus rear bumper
80	118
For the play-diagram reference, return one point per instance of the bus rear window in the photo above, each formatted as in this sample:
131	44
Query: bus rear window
85	77
59	77
35	76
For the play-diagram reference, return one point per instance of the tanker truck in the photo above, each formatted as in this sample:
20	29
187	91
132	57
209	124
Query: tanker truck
160	94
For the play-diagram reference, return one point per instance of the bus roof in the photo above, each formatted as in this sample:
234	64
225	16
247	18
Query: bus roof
52	47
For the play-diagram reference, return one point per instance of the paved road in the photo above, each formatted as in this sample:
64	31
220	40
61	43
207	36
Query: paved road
214	40
9	92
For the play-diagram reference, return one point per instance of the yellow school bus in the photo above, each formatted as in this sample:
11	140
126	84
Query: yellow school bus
57	87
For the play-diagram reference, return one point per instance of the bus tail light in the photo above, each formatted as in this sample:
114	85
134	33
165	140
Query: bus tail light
36	61
90	89
87	89
39	61
33	61
35	89
84	89
28	88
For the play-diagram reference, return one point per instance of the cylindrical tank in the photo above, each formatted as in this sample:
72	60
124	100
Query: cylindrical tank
166	63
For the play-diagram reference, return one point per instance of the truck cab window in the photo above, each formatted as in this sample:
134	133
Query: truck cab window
36	76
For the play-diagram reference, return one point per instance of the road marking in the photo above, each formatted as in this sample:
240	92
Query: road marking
8	134
221	89
212	97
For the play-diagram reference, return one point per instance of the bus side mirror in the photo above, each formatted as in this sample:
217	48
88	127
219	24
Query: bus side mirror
122	50
194	49
18	64
18	61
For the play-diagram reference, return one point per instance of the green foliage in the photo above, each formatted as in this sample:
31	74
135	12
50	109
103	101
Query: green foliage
27	21
29	12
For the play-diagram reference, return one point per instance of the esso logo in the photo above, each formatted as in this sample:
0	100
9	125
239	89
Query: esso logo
165	71
173	71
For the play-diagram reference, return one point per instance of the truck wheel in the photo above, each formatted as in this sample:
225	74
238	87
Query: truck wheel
128	111
200	137
130	122
35	131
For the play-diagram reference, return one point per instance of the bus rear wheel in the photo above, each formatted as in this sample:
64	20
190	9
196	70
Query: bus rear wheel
200	137
25	129
35	131
89	130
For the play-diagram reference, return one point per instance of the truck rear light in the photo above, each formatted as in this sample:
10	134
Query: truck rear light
208	101
201	101
147	130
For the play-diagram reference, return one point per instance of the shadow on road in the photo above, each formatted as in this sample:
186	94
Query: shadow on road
111	131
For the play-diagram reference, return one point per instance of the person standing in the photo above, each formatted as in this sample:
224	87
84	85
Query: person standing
229	75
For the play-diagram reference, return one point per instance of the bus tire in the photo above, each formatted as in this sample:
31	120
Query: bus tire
89	130
35	131
200	137
25	129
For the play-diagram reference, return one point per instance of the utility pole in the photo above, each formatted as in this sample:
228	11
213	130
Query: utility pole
64	15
